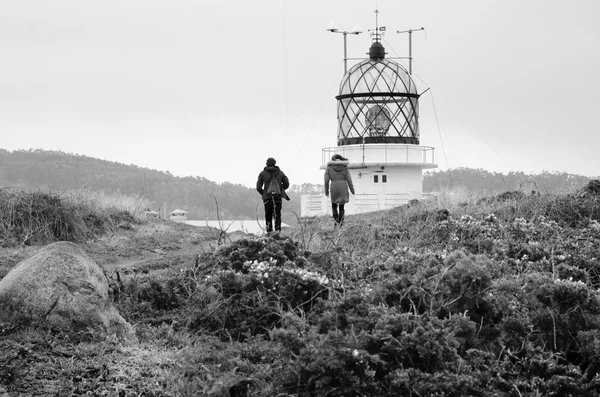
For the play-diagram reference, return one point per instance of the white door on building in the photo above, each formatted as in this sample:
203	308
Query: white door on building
380	181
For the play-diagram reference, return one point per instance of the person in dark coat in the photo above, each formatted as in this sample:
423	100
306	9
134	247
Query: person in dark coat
337	173
272	202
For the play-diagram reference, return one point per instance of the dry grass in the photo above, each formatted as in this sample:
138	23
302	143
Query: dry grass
114	202
41	216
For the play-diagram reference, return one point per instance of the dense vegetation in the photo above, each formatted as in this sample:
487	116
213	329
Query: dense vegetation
496	296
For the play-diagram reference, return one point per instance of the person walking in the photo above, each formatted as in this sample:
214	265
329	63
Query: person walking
271	184
337	173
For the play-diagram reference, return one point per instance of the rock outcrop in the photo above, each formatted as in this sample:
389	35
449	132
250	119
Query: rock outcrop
61	287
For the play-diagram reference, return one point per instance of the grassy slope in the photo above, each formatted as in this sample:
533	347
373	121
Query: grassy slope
489	329
49	362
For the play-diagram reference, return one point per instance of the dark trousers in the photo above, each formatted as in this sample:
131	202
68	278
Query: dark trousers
273	208
338	213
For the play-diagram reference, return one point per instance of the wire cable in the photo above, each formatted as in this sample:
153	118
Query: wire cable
434	112
479	135
441	138
285	65
310	100
311	129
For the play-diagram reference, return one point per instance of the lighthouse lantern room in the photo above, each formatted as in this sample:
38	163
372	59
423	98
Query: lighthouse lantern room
378	132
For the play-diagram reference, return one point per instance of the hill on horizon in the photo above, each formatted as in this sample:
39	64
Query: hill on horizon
63	171
202	198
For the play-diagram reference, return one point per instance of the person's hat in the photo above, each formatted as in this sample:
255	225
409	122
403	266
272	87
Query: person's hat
271	161
337	157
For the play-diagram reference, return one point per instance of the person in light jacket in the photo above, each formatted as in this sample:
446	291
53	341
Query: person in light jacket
337	173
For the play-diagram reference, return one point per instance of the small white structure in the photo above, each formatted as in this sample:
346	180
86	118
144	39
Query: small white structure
378	132
151	214
178	216
256	227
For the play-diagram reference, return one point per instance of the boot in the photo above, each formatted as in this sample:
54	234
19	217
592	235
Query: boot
336	216
341	216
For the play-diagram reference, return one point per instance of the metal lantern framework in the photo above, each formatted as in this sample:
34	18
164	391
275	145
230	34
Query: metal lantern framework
377	103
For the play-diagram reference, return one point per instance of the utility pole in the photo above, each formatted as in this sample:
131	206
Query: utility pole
410	31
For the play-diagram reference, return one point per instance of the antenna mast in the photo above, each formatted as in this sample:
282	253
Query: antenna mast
345	33
410	31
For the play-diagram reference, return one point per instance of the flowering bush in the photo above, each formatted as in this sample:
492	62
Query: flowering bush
234	256
249	294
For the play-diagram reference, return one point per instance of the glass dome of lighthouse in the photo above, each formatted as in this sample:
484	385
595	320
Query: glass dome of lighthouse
377	102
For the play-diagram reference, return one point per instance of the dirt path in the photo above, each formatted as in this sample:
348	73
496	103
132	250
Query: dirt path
156	245
143	247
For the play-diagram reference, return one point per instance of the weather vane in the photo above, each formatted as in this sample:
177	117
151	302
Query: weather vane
378	32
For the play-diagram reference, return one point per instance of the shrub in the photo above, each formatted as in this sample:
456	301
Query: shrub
258	281
39	217
234	255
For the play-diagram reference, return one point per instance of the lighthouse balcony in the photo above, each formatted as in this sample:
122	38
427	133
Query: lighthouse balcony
360	156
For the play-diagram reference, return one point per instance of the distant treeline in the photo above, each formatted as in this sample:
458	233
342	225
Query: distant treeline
197	195
202	197
485	182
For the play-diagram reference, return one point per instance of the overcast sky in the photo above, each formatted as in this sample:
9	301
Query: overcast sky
212	88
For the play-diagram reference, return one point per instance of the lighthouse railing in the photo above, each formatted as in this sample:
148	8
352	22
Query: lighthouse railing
312	205
386	154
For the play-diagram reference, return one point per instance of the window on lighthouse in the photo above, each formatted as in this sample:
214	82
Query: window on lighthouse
383	178
380	183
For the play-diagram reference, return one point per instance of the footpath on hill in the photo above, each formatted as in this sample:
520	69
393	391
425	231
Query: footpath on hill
155	245
142	247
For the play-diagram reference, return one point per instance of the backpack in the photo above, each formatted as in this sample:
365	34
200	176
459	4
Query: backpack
273	186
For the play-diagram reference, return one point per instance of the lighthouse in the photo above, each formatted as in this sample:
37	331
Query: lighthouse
378	132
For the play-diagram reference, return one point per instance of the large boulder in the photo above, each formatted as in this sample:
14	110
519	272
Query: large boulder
62	287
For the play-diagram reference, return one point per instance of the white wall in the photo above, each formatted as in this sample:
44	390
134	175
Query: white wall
401	165
403	183
404	180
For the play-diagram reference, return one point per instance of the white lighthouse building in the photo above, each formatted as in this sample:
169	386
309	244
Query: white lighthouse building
378	132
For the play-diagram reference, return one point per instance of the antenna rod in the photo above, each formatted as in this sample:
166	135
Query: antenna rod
378	32
410	31
345	33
